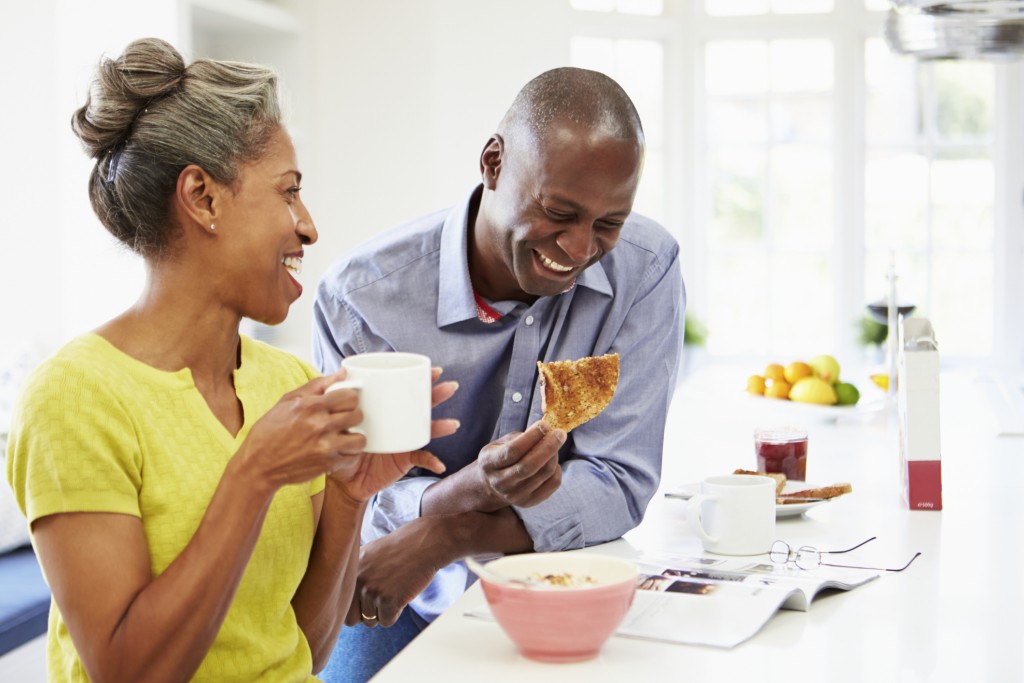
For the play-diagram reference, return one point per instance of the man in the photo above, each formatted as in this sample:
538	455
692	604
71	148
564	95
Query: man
543	261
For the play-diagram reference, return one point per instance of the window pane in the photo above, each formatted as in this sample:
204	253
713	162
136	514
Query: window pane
737	122
893	104
895	198
732	8
731	318
597	54
738	177
803	119
638	66
645	7
639	71
964	94
650	195
961	193
593	5
801	188
961	303
737	67
801	6
801	303
801	65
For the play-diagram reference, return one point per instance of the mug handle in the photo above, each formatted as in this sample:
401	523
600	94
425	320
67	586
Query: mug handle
345	384
693	517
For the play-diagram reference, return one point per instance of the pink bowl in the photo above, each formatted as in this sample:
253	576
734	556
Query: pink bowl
561	624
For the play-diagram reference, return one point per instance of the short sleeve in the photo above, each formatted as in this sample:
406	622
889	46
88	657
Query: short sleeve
73	446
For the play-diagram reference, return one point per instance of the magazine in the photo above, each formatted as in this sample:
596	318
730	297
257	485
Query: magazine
719	601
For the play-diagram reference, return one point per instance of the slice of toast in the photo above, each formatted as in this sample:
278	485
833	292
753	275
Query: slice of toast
575	391
780	479
823	492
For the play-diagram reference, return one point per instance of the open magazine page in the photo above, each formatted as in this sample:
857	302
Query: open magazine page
722	601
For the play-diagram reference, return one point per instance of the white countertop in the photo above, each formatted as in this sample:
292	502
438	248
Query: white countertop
956	614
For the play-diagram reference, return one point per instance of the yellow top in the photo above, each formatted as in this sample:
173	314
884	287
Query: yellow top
98	431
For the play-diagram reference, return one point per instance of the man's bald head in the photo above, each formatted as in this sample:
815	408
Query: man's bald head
569	95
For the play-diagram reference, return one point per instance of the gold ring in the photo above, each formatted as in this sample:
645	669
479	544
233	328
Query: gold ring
368	617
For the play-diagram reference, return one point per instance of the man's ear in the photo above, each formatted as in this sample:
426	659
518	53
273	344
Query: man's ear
490	160
197	197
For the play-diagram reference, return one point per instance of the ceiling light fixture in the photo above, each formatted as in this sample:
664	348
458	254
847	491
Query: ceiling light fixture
964	29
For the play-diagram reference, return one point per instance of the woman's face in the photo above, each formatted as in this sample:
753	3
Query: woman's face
264	227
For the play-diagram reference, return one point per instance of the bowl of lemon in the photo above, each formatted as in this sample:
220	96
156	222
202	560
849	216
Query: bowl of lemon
814	384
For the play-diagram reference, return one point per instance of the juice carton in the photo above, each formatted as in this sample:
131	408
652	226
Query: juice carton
918	414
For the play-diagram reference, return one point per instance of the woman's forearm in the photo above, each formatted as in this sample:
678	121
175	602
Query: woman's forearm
323	598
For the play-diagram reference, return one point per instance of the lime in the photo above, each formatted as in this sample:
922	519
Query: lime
846	394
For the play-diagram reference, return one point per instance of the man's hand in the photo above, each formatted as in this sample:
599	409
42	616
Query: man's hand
521	468
393	570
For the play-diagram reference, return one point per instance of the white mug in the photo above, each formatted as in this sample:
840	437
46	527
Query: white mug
734	514
395	397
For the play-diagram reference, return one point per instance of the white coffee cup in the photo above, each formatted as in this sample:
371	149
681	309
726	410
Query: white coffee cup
395	397
734	514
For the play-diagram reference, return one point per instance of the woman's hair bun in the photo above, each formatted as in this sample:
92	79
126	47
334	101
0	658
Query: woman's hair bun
146	71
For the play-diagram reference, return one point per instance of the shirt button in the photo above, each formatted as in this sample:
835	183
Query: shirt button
529	320
517	397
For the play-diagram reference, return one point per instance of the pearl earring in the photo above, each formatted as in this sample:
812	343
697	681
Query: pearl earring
212	227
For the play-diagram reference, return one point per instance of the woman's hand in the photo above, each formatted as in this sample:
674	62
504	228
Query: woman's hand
303	436
367	473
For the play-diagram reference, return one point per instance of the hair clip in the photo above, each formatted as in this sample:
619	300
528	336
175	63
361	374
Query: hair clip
115	159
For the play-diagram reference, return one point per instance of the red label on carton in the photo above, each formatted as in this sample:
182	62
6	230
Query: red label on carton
924	484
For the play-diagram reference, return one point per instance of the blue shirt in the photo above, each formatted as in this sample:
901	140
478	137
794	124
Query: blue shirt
409	290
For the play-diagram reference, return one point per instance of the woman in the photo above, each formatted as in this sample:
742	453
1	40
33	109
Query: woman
178	502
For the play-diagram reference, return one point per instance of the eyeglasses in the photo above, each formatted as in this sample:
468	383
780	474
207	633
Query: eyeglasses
806	557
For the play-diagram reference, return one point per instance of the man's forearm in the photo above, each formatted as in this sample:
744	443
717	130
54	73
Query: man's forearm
461	492
478	533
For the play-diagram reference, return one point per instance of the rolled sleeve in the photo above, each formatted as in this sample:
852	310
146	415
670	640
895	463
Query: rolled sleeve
395	506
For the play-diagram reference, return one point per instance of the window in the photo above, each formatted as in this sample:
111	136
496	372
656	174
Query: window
768	159
799	157
929	191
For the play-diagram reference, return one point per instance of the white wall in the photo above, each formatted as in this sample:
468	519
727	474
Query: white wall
405	94
62	274
397	98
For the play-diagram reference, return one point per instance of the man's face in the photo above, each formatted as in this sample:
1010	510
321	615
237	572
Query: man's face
550	210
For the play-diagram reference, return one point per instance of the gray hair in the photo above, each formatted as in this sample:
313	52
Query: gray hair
148	115
577	96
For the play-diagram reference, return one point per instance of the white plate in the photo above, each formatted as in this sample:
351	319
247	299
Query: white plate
812	411
687	491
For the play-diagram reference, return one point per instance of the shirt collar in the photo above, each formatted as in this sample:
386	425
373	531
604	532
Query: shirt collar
455	301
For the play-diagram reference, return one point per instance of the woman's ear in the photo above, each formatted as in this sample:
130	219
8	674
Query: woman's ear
490	160
197	197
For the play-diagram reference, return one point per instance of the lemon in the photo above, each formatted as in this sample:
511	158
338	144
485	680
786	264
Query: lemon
825	367
777	388
882	381
796	371
774	371
846	394
755	385
813	390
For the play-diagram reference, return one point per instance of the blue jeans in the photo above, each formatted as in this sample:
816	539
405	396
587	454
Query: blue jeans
361	652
